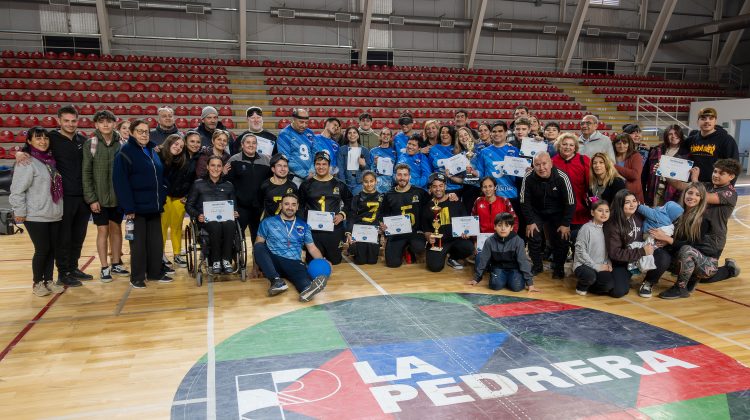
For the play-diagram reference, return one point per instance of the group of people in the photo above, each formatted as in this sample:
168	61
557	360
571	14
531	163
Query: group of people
327	193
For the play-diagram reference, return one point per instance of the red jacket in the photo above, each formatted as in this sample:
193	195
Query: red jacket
577	170
487	212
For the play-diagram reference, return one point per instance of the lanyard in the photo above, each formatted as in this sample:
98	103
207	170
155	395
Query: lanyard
289	231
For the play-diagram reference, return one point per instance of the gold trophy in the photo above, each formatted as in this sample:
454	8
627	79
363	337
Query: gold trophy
438	245
468	178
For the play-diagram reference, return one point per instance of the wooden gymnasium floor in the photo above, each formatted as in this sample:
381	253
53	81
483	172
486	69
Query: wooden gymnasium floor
108	351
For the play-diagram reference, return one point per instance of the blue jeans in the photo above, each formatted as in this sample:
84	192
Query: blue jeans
274	266
500	278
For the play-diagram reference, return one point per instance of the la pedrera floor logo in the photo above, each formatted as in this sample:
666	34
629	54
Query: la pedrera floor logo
463	356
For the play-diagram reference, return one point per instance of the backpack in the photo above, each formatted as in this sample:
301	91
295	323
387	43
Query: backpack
7	223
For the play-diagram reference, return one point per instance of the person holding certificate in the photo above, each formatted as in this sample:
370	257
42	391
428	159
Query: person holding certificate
383	161
266	140
324	200
246	170
214	188
404	200
436	220
362	232
548	204
353	160
441	152
490	161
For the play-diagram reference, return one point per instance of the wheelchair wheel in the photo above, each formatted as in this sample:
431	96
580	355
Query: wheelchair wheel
189	244
199	278
241	258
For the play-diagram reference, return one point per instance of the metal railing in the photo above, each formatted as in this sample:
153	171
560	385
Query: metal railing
659	116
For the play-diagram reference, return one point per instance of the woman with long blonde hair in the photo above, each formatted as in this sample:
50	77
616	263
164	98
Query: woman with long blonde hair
694	242
604	180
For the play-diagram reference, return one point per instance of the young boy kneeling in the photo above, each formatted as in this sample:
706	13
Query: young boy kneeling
504	256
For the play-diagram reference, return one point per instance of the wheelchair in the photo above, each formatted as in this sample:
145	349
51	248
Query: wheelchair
197	247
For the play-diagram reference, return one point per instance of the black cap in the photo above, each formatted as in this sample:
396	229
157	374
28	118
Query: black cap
254	110
437	176
406	119
365	116
630	128
277	157
323	154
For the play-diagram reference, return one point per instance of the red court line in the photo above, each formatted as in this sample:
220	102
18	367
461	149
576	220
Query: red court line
17	339
16	259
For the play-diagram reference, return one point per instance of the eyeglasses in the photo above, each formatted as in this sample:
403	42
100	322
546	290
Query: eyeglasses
141	132
587	123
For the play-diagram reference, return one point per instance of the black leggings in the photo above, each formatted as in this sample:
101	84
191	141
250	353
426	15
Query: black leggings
364	252
457	249
44	236
220	236
249	216
75	221
329	244
622	275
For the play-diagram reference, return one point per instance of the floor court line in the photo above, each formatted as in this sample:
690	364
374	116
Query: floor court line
123	300
367	277
689	324
17	339
109	411
211	356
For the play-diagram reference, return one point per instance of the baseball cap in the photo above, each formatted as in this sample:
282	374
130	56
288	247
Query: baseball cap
254	110
437	176
707	112
405	119
322	155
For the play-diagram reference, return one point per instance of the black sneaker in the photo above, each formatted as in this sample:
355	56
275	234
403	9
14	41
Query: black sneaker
278	286
78	274
732	266
581	292
180	261
167	269
119	270
675	292
165	260
69	281
315	287
163	279
226	267
645	290
216	268
691	284
138	284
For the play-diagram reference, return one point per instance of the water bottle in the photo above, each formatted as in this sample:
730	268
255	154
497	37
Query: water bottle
129	228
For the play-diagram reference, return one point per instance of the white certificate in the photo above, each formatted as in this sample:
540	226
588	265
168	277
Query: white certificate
218	211
320	220
515	166
396	225
265	146
365	233
675	168
385	166
468	225
455	164
530	147
352	159
481	239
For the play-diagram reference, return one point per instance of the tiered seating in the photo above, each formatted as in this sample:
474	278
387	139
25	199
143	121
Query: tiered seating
34	85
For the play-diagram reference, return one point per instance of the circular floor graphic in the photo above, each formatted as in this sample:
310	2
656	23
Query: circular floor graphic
448	355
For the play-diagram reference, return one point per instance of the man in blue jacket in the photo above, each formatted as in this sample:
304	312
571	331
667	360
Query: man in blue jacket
295	142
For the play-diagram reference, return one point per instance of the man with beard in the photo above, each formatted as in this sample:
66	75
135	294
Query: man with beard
165	127
255	127
406	200
278	251
455	249
209	123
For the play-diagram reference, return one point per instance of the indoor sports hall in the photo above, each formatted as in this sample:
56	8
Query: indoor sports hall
93	90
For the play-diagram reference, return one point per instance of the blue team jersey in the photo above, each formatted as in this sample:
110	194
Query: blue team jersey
321	142
385	182
297	147
285	238
399	143
437	154
489	163
420	168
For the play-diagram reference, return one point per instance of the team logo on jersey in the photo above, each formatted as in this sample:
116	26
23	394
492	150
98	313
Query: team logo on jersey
335	190
415	199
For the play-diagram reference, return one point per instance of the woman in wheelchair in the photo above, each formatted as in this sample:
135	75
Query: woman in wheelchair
213	187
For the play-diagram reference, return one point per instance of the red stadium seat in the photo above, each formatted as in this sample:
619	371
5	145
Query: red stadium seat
87	109
21	136
49	122
151	121
30	121
6	136
225	111
228	123
85	122
136	110
21	108
195	122
181	123
38	109
181	110
53	108
195	110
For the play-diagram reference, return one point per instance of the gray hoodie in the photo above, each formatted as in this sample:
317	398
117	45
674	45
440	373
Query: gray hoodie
30	195
505	253
591	248
597	142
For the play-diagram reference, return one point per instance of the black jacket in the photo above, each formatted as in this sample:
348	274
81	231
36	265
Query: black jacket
69	156
206	135
206	190
237	146
544	197
181	179
158	134
247	174
706	244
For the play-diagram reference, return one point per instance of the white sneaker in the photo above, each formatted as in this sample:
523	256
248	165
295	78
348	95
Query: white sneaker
106	275
40	289
53	287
